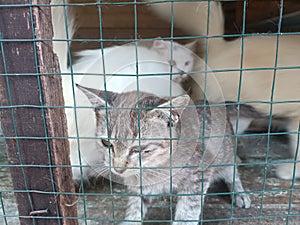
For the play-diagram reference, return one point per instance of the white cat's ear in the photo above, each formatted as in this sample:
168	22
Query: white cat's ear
95	97
159	45
174	112
192	45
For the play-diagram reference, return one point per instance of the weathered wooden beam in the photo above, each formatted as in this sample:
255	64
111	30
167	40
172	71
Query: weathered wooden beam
34	128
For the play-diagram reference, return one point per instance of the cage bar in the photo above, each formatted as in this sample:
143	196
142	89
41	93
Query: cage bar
34	127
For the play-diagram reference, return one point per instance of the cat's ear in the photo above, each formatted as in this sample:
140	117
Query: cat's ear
96	97
172	113
159	45
192	45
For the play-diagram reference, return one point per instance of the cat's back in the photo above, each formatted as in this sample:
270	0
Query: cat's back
260	56
215	135
256	52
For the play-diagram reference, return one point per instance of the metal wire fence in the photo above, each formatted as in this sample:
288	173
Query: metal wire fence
254	78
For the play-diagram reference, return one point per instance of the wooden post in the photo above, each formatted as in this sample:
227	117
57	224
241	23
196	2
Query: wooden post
34	128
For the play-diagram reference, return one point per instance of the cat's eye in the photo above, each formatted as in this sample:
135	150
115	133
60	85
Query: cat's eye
138	149
107	144
187	63
135	149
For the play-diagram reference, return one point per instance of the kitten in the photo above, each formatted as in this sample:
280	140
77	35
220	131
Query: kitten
182	55
257	52
137	146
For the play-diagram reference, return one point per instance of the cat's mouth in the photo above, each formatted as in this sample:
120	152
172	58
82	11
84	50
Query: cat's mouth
123	171
119	170
179	72
180	76
138	176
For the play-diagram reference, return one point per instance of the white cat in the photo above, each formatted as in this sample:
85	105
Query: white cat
114	62
180	57
183	56
255	52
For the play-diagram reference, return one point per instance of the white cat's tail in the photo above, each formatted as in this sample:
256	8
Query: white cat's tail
63	21
192	17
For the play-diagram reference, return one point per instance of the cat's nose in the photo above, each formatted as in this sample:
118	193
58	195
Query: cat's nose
119	170
181	72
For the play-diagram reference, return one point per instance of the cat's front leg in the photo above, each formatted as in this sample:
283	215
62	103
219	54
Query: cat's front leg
135	212
234	184
286	171
188	208
190	202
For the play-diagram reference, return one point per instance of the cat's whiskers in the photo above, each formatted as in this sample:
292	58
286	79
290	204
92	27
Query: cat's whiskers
152	172
150	181
152	177
97	172
157	173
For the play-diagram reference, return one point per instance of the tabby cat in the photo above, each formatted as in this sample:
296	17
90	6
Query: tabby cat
157	150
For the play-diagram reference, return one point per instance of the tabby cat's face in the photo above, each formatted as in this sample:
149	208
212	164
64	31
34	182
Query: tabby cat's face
128	148
132	139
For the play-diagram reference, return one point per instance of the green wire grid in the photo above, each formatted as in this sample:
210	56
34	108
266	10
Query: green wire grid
84	196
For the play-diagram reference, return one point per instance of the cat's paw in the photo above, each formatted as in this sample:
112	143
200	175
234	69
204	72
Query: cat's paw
286	171
243	201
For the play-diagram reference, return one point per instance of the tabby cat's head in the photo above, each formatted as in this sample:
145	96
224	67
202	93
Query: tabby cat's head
136	130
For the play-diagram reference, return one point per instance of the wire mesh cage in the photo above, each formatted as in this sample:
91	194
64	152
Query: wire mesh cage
157	112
